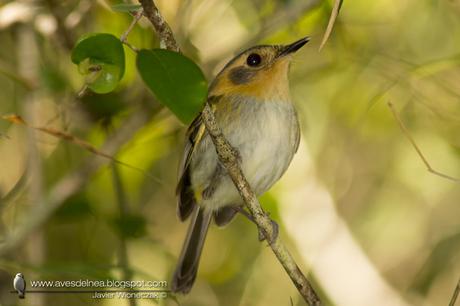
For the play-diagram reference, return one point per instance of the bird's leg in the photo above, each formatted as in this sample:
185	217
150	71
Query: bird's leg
275	225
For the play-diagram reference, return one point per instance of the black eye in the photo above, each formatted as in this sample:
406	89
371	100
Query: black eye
254	60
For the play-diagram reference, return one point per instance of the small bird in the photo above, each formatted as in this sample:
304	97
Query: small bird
19	284
251	101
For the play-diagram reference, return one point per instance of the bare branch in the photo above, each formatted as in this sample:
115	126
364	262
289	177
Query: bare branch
167	40
72	183
124	37
229	158
330	25
417	149
76	141
455	295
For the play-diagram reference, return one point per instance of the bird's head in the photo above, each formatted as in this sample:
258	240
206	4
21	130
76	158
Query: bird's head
259	72
19	275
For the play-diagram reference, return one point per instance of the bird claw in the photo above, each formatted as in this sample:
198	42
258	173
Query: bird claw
261	235
275	227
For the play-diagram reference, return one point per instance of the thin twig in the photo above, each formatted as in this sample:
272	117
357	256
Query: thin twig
229	158
124	37
72	183
455	295
167	39
83	91
330	25
78	142
417	149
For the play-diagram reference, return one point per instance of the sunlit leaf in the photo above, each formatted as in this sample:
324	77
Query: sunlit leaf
175	80
101	59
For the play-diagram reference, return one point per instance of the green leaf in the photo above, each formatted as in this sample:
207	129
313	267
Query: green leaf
175	80
125	7
101	59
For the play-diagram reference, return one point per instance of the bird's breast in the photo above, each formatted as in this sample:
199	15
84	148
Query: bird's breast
265	133
266	136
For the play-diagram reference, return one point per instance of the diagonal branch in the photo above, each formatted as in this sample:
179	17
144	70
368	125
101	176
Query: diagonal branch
417	149
330	24
229	158
72	183
167	40
455	294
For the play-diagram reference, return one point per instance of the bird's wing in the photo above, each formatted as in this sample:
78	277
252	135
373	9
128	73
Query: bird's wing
186	197
195	134
19	284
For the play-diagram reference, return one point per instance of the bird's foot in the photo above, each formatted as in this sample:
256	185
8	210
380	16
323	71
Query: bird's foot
275	227
261	235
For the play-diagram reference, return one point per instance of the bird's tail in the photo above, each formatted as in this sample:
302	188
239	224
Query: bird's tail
21	294
187	267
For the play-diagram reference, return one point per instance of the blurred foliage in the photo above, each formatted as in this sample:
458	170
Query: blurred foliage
404	218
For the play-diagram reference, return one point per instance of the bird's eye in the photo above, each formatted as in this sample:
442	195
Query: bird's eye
254	60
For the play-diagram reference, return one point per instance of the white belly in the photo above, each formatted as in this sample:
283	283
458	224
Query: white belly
266	137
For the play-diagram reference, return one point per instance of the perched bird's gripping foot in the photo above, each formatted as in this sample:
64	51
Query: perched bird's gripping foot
276	228
275	225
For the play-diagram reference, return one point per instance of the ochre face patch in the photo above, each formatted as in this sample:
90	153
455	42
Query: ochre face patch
259	79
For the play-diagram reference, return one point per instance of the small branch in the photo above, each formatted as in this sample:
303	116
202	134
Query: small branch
124	37
455	295
229	158
72	183
330	25
83	91
167	40
417	149
65	136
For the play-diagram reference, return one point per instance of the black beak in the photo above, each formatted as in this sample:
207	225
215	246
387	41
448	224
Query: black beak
291	48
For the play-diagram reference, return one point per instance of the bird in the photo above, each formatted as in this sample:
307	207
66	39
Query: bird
251	102
19	284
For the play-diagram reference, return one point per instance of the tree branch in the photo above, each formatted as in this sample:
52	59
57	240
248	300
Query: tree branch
72	183
417	149
229	158
455	294
167	40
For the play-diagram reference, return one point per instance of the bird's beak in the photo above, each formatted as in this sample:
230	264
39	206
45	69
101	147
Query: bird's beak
291	48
